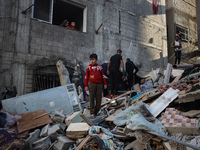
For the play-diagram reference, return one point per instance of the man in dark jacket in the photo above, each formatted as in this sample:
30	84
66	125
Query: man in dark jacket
113	70
130	67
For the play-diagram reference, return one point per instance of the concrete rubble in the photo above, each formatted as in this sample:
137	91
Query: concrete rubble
162	114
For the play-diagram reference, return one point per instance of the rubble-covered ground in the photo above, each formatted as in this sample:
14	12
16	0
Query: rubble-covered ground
162	113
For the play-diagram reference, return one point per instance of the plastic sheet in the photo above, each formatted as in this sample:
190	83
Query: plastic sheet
137	117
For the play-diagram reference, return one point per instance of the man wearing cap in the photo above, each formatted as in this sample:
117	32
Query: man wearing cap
176	45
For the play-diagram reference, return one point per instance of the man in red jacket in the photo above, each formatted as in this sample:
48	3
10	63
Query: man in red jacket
94	73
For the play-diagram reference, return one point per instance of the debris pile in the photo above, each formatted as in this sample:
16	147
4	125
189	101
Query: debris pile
161	113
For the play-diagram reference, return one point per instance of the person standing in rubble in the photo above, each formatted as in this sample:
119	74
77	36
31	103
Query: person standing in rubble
176	45
130	67
94	74
113	70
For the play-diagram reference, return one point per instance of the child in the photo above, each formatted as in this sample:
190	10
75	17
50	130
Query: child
94	73
72	25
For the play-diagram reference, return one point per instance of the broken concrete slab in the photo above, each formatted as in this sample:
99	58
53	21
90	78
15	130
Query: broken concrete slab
74	118
54	129
63	97
44	131
189	97
63	143
63	73
163	101
33	136
168	73
42	144
77	130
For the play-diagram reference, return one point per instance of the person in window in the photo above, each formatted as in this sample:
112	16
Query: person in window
72	26
65	23
176	45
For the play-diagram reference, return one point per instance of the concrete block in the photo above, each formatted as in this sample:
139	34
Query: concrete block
63	143
42	144
44	131
163	101
54	129
54	132
34	136
74	118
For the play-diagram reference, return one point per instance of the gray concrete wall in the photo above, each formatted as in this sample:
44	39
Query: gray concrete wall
128	25
182	13
198	20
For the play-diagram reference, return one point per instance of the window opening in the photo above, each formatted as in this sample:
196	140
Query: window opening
57	11
182	32
42	10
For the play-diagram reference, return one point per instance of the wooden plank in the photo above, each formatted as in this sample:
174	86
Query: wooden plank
80	146
26	122
129	92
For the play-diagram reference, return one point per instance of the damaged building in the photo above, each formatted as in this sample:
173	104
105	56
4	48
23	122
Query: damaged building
181	20
32	40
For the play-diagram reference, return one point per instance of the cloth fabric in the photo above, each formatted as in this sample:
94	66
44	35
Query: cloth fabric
95	143
146	86
94	74
155	7
2	119
115	79
115	62
95	90
71	28
177	57
9	140
175	44
108	138
105	66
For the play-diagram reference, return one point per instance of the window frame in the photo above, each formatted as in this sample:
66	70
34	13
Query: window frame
186	35
68	2
50	14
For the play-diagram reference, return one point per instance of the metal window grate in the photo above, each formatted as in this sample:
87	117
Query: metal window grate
45	78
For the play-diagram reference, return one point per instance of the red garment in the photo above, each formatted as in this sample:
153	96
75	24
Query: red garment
94	73
71	27
155	8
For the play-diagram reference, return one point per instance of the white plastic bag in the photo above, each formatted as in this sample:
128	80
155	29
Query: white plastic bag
11	120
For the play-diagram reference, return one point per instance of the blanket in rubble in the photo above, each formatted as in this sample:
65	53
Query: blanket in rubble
108	138
9	140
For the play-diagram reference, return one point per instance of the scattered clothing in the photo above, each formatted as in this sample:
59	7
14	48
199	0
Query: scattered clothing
108	138
146	86
9	140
